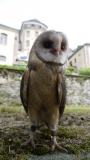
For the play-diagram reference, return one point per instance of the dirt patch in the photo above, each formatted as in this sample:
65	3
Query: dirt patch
73	134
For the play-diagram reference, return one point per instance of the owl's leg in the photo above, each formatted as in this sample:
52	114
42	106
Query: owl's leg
31	139
55	144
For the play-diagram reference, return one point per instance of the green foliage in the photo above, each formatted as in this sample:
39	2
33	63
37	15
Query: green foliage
69	138
85	71
66	133
12	67
5	72
68	72
11	109
71	69
68	109
78	47
75	144
77	109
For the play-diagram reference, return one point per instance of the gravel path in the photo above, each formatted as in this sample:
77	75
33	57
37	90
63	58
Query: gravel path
61	156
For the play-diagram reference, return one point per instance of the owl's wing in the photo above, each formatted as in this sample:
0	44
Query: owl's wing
61	93
24	88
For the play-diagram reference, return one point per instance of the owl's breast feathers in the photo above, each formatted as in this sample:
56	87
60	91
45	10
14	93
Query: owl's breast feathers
60	90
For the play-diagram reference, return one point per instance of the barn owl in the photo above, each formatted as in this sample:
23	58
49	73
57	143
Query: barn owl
43	91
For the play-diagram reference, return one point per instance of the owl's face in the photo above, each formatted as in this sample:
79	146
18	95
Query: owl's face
52	47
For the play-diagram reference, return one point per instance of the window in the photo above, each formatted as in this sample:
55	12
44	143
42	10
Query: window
0	39
32	25
70	63
27	43
36	34
36	26
75	60
28	25
27	33
2	58
3	39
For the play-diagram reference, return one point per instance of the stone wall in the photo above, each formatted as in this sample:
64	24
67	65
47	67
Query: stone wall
78	89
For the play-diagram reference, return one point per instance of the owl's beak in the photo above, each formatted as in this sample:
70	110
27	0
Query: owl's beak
55	52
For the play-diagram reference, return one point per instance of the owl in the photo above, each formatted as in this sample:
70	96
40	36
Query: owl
43	90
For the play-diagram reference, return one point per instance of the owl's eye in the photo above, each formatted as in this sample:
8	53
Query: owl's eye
62	47
47	44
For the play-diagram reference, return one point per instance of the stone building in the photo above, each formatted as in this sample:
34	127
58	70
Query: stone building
81	58
16	44
9	38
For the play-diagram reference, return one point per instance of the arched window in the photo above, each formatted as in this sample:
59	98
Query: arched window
2	58
3	38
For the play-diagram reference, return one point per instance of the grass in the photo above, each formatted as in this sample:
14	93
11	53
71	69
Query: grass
11	109
68	109
12	67
76	139
77	109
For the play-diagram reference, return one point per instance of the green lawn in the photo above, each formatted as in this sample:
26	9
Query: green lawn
68	109
11	109
77	109
12	67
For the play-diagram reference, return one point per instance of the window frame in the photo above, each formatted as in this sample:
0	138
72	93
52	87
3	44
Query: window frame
36	34
2	60
3	38
27	43
27	33
71	63
75	61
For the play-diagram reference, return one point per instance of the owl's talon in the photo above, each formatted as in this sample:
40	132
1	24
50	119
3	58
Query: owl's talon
29	141
56	145
52	148
61	149
33	144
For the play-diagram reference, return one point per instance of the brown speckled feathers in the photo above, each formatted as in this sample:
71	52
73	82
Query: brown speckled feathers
61	93
24	88
61	89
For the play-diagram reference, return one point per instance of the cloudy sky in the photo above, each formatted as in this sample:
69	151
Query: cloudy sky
69	16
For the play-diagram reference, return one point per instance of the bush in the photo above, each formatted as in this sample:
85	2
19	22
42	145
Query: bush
70	70
12	67
85	71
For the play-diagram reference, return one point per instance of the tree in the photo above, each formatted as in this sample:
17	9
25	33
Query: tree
78	47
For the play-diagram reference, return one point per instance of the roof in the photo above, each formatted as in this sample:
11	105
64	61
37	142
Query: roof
35	20
9	27
14	29
79	49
